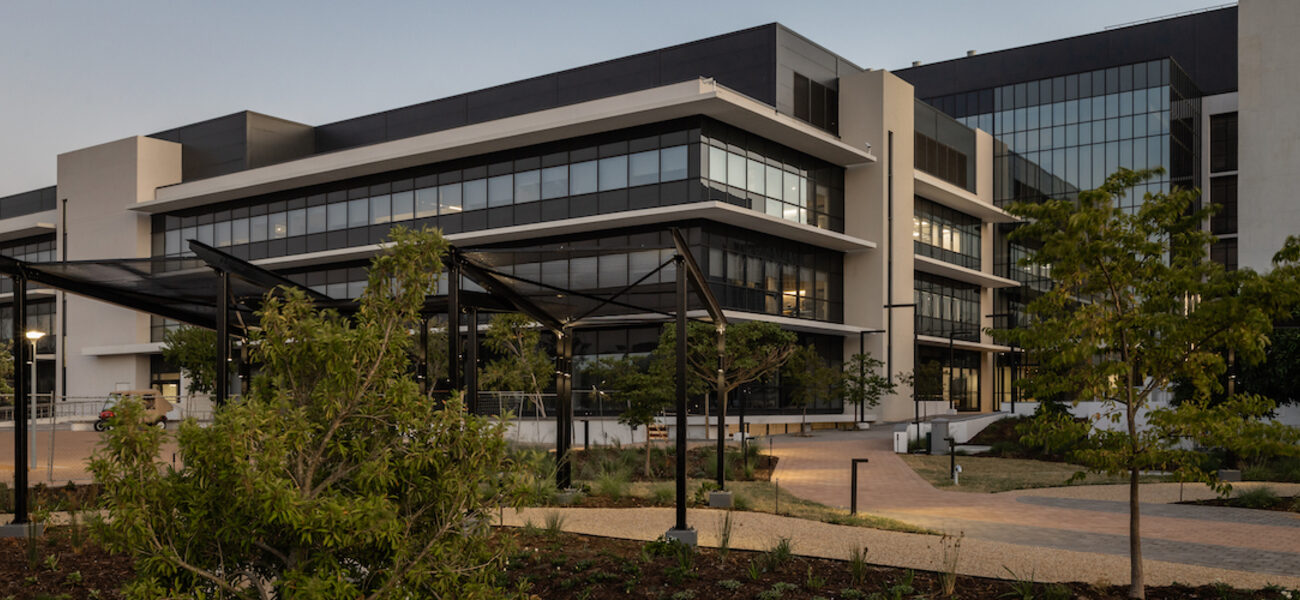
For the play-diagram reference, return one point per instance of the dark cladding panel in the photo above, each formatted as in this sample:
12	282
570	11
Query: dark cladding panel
606	79
213	147
27	203
743	61
797	54
428	117
272	140
1203	44
512	99
360	131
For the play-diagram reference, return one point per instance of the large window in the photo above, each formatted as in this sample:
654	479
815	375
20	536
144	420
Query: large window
951	375
1223	142
946	234
816	103
946	308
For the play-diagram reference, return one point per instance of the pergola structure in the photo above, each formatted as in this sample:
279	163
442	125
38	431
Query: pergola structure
218	291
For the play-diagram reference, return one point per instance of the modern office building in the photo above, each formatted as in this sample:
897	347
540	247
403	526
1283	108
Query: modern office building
858	208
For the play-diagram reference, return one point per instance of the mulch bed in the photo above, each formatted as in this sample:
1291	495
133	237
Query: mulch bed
59	566
1289	504
568	566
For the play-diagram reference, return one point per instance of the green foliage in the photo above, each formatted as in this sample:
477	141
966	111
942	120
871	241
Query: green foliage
778	554
613	483
862	382
194	350
729	584
333	478
858	565
6	371
522	363
1259	497
814	379
755	351
1136	305
662	494
646	390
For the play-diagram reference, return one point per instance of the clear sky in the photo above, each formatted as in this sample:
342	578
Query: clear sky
75	73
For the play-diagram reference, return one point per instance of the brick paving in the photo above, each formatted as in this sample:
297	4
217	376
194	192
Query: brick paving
817	468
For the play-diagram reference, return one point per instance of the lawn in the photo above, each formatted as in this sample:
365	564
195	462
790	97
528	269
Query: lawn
989	475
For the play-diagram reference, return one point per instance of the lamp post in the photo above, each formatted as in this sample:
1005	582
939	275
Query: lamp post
33	336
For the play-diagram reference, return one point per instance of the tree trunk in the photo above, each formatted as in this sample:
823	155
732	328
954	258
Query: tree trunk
1137	583
1137	586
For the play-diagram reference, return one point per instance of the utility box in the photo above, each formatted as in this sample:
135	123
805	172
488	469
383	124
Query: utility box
900	441
938	437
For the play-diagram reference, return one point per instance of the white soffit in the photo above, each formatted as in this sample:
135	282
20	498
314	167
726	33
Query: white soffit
935	266
697	97
932	188
23	226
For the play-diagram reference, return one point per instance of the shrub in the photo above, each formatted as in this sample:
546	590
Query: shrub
1259	497
613	484
662	493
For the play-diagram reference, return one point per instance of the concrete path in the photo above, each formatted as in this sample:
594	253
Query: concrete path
1075	518
72	450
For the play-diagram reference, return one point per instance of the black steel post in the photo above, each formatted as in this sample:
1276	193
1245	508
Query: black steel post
563	408
952	456
453	324
586	434
722	409
20	400
951	368
471	361
223	338
853	490
681	392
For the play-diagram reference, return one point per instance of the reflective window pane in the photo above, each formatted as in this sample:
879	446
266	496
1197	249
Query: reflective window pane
337	217
221	234
238	231
735	170
257	228
403	208
755	176
474	194
672	163
643	168
528	186
298	221
358	212
613	173
316	219
277	225
501	190
555	182
381	210
449	200
717	164
582	178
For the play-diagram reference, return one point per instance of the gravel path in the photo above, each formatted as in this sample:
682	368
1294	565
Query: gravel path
979	557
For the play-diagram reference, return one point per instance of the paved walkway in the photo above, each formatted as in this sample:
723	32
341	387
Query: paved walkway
72	450
1074	519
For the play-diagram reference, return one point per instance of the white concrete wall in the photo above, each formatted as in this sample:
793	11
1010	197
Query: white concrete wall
100	184
872	105
1268	75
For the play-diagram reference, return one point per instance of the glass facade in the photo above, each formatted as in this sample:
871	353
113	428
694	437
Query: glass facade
33	249
958	375
1223	188
627	170
1063	134
946	308
40	317
944	147
946	234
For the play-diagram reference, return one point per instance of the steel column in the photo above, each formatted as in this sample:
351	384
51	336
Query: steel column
20	399
563	408
679	263
722	408
453	324
471	361
223	338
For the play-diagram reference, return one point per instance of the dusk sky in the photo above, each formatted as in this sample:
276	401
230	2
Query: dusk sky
79	73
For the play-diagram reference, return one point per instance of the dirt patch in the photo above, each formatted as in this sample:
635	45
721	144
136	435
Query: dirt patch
60	565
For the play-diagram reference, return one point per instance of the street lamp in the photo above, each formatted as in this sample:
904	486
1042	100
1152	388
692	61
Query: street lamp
33	336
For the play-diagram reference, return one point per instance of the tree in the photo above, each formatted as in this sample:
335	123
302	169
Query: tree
522	364
333	478
6	368
194	350
813	380
755	350
1136	305
646	390
863	384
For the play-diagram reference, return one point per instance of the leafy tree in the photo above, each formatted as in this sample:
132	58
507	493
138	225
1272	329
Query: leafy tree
194	350
813	380
863	384
334	477
1135	305
1275	377
523	365
6	369
647	391
755	350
